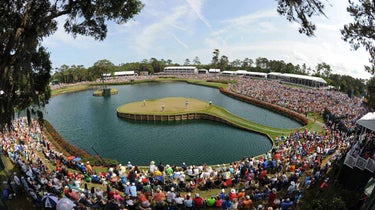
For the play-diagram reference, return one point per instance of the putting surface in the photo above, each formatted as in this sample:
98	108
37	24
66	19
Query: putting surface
170	105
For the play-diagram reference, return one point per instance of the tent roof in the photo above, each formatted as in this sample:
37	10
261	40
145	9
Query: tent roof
368	121
369	186
305	77
180	67
121	73
251	72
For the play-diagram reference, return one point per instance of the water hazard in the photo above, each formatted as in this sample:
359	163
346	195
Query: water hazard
91	122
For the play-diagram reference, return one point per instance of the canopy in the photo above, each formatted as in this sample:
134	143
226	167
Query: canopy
65	204
368	121
76	159
160	178
71	157
49	200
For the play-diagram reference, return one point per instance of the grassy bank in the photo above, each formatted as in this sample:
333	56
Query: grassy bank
71	89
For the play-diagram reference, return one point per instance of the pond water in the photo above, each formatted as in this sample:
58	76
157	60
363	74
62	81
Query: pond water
91	123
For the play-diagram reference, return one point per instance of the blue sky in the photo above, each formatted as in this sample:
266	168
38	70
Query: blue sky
180	29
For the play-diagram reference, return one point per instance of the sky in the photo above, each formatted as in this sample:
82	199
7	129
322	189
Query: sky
183	29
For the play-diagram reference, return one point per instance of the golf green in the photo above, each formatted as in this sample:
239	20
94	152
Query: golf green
169	105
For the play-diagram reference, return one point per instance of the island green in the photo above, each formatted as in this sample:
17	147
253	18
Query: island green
180	108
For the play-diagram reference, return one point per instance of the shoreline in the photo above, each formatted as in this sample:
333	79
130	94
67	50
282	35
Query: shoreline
87	86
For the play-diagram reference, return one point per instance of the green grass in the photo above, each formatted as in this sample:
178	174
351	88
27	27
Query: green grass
70	89
243	123
176	105
315	123
99	92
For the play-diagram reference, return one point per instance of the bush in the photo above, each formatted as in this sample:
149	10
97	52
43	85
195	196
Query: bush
323	204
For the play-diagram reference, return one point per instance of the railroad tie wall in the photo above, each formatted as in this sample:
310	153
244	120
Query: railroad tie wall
171	117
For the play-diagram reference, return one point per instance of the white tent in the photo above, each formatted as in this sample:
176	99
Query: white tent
368	121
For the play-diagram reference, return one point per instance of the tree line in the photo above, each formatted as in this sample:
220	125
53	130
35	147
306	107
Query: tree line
344	83
25	66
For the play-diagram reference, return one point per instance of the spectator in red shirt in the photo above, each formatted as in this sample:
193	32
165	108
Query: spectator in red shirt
197	202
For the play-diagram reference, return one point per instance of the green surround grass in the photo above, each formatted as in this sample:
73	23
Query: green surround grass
177	106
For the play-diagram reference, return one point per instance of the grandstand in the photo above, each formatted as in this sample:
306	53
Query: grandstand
249	74
214	71
244	73
228	73
120	74
297	79
180	70
202	71
302	80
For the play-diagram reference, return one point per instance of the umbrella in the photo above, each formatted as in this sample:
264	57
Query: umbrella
49	200
71	157
64	204
77	159
160	178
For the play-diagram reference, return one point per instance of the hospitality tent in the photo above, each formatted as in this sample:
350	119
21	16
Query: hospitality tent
368	121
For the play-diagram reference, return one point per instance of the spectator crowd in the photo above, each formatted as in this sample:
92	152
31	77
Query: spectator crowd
275	180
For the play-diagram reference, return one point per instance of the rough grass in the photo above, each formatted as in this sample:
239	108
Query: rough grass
70	89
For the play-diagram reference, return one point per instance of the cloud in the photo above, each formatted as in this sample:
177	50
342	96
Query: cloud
179	41
257	22
197	8
161	28
179	29
124	28
299	56
62	39
245	20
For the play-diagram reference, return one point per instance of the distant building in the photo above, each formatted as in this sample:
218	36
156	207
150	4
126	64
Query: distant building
120	74
180	70
214	71
250	74
297	79
228	73
124	73
202	71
